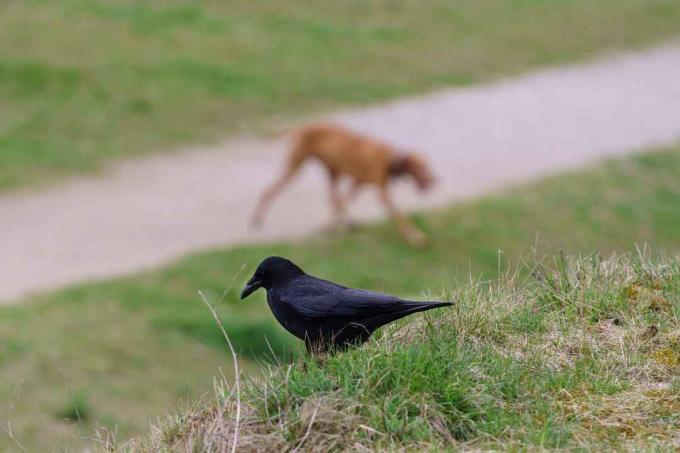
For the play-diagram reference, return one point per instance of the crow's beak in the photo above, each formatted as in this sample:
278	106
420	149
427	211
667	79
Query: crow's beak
252	285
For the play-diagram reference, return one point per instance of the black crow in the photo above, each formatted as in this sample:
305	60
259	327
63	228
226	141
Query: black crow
326	315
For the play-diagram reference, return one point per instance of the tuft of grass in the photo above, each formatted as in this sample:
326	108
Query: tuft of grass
141	345
76	409
83	82
471	378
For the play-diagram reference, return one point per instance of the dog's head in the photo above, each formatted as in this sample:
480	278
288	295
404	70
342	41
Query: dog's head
415	166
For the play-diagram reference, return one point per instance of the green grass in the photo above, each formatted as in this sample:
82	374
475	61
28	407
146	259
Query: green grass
86	81
595	369
133	348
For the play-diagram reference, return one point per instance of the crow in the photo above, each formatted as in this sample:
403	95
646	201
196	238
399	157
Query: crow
325	315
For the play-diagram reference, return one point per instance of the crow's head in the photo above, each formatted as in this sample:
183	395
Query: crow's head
273	270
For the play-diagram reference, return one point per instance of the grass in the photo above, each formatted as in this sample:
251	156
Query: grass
566	362
83	82
586	357
133	348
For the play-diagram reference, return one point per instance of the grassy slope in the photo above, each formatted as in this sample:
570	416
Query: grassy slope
82	81
588	357
130	348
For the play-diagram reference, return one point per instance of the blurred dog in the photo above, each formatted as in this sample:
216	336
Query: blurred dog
363	160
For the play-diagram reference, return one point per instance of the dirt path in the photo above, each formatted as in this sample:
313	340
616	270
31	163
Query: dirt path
150	211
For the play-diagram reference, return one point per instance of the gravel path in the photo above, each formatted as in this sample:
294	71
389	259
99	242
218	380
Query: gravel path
149	211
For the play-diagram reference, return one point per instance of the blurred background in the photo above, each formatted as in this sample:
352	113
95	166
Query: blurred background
135	137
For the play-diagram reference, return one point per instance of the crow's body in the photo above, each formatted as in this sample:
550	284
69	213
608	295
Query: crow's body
324	314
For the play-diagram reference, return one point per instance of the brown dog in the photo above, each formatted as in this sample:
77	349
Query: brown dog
363	160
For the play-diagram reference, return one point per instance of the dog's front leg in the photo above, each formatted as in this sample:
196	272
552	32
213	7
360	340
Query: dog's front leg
267	197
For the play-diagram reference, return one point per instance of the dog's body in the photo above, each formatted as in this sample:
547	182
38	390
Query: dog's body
365	161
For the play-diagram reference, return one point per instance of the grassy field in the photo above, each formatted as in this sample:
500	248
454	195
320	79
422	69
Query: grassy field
85	81
586	358
126	350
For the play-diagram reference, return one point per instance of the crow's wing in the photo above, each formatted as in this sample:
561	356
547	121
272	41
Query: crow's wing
343	303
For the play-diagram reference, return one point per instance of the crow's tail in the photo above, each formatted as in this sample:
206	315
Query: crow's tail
407	308
414	306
